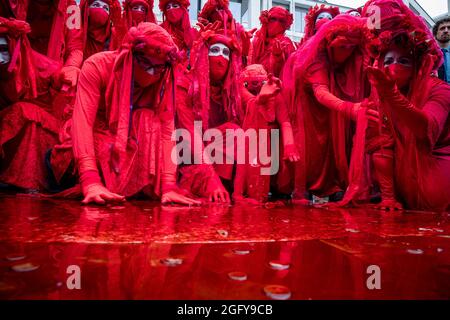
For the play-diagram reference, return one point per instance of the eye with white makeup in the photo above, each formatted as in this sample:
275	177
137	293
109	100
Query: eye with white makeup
139	8
100	4
393	57
355	14
324	15
5	57
219	49
172	5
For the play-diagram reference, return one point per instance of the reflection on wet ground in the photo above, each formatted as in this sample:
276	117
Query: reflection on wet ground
140	250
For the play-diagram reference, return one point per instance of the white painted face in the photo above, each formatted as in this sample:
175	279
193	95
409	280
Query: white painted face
324	15
5	57
100	4
172	5
355	14
139	8
398	57
219	49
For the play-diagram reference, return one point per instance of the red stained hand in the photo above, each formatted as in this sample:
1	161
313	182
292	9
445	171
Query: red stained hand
98	194
175	197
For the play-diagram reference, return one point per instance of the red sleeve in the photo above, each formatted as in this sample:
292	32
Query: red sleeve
436	111
84	115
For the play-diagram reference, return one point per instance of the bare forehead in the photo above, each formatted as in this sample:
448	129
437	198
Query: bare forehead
444	24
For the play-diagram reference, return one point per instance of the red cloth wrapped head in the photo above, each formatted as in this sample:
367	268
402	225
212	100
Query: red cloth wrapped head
200	63
135	17
20	66
311	26
253	78
152	42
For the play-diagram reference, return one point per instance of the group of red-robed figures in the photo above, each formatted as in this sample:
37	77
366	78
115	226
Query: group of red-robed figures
90	96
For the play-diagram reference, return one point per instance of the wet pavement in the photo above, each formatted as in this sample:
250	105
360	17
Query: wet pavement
140	250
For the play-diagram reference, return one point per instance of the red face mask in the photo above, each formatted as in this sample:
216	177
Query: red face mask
274	28
218	67
144	78
138	17
98	17
175	15
402	74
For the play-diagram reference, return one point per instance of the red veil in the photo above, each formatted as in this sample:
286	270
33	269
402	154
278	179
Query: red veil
324	136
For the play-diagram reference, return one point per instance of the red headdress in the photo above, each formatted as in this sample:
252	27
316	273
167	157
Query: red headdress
312	15
200	89
114	20
128	4
21	64
150	40
55	51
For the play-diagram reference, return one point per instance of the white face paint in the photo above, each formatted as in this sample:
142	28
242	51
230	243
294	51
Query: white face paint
5	57
398	57
139	8
172	5
355	14
219	49
324	15
100	4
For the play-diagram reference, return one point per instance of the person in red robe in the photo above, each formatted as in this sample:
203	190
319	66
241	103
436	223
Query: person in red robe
266	109
329	93
28	127
416	104
177	23
99	21
218	10
54	33
124	118
210	93
134	12
270	46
